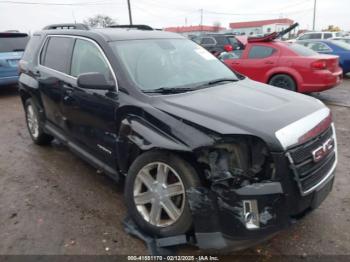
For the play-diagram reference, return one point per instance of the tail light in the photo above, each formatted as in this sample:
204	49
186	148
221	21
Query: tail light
228	48
319	65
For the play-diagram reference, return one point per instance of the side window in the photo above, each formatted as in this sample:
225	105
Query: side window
208	41
316	36
57	53
87	58
222	40
259	51
327	35
320	47
304	37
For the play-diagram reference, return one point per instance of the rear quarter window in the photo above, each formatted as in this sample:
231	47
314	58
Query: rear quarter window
259	51
56	53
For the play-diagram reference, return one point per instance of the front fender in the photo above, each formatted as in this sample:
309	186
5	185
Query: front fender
141	133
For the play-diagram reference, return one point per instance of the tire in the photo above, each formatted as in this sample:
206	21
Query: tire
283	81
142	213
34	126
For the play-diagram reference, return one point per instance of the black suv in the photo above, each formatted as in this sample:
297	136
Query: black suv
204	152
218	43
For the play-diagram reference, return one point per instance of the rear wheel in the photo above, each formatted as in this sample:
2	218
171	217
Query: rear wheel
155	193
35	130
283	81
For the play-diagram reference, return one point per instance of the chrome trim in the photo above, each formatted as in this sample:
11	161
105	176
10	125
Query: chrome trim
290	134
82	38
329	175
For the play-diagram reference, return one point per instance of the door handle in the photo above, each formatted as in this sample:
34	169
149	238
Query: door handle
269	63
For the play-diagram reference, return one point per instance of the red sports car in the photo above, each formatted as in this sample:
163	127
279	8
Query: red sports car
286	65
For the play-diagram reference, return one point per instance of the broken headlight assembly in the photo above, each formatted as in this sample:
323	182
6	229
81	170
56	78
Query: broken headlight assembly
237	163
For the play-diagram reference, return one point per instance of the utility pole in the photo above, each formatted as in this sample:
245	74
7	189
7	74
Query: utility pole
313	24
130	17
201	10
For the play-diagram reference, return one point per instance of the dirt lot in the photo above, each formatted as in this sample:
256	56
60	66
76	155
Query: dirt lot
51	202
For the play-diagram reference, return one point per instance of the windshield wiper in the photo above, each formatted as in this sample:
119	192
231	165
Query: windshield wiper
176	90
220	80
169	90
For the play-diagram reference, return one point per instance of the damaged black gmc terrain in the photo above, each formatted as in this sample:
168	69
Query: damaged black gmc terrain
204	151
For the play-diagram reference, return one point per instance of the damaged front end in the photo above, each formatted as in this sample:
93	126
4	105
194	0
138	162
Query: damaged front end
242	199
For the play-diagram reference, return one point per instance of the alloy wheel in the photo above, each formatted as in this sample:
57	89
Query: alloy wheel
32	120
159	194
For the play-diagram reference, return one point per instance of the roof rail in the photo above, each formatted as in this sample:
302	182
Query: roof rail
67	26
139	27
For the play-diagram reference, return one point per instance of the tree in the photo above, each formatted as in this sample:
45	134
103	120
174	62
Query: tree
100	21
332	28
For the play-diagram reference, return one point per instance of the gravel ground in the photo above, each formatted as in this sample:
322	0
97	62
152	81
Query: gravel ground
53	203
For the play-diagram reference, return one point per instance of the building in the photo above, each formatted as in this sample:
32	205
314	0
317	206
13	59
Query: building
261	27
194	30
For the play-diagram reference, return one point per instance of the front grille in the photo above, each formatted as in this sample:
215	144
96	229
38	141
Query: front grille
308	173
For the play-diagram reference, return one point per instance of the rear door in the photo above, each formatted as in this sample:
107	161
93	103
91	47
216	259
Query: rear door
256	61
53	74
12	46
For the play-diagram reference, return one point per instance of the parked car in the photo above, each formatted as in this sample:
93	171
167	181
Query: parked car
343	39
12	45
318	35
204	152
338	48
286	65
218	43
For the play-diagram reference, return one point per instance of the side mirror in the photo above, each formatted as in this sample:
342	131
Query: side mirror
95	81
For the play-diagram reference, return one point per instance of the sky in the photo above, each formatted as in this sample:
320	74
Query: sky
32	15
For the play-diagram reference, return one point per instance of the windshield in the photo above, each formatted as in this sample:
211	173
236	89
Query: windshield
13	42
341	44
302	50
169	63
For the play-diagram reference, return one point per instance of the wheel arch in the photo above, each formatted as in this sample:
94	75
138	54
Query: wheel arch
297	78
140	131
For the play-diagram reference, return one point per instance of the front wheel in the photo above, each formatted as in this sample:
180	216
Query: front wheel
283	81
155	193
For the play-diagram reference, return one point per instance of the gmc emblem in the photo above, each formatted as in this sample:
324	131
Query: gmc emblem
323	150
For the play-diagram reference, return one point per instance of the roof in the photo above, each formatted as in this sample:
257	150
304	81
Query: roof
261	23
115	34
194	28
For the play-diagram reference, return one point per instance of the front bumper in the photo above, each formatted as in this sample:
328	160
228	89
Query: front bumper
220	218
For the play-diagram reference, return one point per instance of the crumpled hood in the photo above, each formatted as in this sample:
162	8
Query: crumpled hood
243	107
